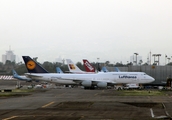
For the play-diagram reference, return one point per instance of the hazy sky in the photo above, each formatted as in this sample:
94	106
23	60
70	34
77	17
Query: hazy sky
76	29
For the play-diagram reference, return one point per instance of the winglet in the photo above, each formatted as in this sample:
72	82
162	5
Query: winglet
32	66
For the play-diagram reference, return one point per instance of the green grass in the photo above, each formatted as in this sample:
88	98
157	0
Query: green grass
142	93
4	94
16	92
22	90
8	94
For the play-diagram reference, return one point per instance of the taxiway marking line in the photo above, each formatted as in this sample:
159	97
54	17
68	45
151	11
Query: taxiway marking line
152	113
10	118
47	104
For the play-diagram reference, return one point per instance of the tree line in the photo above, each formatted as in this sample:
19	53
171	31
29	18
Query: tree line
20	68
6	69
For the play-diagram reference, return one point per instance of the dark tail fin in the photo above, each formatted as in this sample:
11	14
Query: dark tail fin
32	66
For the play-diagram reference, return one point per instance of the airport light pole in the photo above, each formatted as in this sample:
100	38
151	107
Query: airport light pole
165	59
98	60
136	57
35	58
98	66
150	57
168	60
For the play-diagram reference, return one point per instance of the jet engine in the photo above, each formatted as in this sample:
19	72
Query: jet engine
87	83
102	84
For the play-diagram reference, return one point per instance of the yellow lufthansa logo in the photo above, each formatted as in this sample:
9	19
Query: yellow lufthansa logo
31	64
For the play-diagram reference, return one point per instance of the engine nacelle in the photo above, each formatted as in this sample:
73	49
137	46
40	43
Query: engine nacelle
87	83
102	84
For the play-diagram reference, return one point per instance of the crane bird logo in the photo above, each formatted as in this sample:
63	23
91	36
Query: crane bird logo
31	65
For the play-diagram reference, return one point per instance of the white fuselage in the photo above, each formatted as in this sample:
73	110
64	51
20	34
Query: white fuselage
110	77
82	72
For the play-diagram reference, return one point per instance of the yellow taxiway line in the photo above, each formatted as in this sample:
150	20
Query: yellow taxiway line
47	104
10	118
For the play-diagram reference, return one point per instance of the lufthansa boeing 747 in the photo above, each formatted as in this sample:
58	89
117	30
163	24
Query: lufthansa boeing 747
100	79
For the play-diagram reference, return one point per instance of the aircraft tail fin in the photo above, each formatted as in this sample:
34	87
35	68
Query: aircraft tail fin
72	67
104	69
32	66
117	69
14	73
88	66
58	70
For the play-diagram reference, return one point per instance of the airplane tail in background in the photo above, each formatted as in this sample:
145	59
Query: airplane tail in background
117	69
104	69
58	70
72	67
32	66
88	66
15	75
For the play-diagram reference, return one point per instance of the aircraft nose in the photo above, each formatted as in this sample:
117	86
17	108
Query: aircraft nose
152	79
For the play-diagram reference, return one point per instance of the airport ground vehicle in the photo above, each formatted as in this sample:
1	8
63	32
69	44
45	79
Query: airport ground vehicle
119	87
127	86
131	86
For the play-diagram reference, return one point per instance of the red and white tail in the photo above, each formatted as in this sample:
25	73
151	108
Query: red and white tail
88	66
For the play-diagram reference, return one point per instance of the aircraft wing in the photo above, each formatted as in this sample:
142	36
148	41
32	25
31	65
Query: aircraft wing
77	80
33	75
